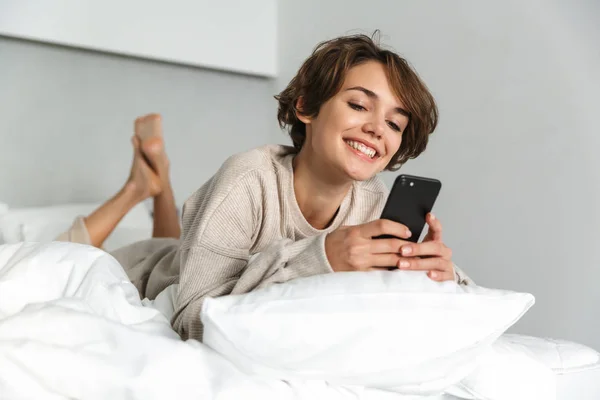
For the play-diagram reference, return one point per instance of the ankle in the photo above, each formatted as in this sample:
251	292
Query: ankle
167	189
164	176
132	193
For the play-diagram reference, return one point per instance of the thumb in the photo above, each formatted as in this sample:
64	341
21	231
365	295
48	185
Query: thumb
434	231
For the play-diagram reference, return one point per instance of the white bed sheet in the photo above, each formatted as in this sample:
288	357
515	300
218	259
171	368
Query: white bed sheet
72	326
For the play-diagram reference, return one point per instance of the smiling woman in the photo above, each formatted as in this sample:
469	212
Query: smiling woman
368	78
277	213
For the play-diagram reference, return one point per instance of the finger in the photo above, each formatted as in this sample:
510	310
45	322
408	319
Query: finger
441	276
435	227
379	246
382	269
425	264
435	249
384	260
385	227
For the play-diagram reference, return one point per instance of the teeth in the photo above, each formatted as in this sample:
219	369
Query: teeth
362	148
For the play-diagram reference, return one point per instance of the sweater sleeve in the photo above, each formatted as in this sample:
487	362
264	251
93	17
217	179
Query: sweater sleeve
283	261
215	255
461	278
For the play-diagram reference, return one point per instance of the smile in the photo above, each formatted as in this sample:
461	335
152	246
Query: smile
362	149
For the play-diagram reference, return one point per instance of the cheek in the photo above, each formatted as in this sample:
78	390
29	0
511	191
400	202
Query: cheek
393	145
342	118
328	127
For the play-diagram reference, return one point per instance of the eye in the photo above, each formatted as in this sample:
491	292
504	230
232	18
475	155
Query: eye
356	107
394	126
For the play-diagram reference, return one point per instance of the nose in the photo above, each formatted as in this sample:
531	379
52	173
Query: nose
374	128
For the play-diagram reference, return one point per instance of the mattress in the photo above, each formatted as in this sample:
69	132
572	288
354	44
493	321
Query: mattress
575	385
579	385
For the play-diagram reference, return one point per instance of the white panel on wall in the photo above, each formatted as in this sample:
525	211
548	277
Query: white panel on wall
232	35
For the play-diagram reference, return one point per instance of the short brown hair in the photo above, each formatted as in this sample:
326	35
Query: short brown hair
322	75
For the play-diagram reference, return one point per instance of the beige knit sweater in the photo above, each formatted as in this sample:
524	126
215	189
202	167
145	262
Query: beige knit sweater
242	230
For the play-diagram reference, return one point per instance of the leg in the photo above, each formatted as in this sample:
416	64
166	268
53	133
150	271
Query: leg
166	221
142	183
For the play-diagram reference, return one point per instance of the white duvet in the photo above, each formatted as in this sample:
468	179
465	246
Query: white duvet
72	326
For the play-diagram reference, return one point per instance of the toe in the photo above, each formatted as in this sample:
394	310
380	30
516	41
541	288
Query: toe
136	142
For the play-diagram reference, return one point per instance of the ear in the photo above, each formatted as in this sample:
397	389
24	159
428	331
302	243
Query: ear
299	108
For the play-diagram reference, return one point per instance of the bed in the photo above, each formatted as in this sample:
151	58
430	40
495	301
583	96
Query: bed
577	385
44	223
72	326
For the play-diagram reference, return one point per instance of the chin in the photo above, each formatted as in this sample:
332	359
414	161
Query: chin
357	168
361	174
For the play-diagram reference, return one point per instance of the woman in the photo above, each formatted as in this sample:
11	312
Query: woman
277	213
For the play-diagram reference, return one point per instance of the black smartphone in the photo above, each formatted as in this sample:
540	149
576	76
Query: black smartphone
410	199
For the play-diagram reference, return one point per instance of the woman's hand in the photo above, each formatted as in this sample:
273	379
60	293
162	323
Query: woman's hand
431	255
353	248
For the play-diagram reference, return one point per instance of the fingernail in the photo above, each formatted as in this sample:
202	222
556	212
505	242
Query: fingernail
404	264
408	233
433	274
406	250
432	216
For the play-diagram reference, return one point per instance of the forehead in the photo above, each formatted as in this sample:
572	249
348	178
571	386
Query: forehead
372	75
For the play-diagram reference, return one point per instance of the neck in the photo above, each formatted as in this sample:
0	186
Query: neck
318	196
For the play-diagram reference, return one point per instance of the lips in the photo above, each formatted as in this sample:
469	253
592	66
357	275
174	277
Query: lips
363	147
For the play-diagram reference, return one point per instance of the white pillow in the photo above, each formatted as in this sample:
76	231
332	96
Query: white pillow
13	222
392	329
46	231
44	224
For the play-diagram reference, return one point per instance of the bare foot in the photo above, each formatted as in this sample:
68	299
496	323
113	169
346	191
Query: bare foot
154	150
143	180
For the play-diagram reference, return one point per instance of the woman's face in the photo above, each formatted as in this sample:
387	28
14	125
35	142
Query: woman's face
359	129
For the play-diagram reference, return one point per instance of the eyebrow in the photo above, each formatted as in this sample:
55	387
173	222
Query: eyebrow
373	95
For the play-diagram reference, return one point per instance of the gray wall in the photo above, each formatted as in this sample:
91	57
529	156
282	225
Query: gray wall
517	84
66	118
